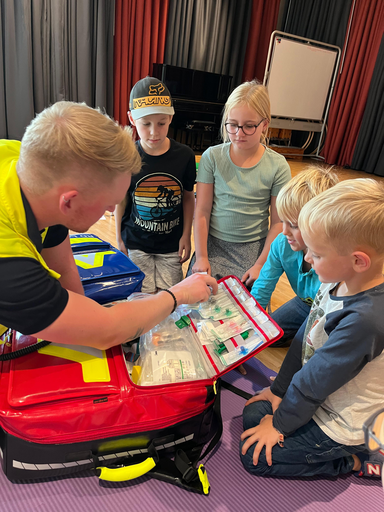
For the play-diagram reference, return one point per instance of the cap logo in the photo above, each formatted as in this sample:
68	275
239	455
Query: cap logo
150	101
156	89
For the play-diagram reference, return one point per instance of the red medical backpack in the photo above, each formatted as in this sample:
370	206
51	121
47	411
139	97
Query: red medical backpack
65	408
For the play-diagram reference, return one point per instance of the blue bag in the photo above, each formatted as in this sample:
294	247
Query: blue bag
105	272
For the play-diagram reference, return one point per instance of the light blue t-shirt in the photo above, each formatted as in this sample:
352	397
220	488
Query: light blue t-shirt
282	259
241	196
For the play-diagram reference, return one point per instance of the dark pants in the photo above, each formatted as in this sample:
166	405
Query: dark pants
290	316
307	452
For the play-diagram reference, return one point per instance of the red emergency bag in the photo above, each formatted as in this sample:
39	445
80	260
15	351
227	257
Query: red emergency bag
67	408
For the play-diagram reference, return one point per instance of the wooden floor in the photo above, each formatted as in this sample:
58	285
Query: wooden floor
271	357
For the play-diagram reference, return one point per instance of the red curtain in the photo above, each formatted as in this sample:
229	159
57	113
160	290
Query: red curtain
140	29
263	23
352	86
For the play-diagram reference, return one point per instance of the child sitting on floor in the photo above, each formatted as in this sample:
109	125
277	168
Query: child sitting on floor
288	250
310	421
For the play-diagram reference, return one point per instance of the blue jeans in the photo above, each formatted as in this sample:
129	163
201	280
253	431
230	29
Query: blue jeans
290	316
307	452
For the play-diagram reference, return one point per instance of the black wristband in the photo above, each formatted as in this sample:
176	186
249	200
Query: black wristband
174	300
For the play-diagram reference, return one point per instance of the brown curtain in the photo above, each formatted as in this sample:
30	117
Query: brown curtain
140	27
263	23
352	86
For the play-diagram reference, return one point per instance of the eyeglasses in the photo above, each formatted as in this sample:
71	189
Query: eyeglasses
248	129
374	432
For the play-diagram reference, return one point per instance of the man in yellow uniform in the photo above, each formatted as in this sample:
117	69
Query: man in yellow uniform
72	165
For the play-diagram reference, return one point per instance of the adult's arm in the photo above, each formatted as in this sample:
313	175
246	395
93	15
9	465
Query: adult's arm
275	227
60	258
204	201
85	322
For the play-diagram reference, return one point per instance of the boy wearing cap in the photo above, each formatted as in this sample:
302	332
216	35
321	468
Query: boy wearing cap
154	221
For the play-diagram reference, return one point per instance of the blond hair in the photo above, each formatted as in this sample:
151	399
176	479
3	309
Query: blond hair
252	94
66	137
301	189
350	215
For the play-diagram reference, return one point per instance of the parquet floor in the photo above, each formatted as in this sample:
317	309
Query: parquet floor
271	357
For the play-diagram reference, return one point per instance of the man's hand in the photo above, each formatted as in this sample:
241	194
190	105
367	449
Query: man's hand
267	396
251	275
184	248
195	288
263	435
201	265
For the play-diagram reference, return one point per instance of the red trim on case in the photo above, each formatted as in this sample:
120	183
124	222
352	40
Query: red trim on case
267	338
206	350
258	305
211	360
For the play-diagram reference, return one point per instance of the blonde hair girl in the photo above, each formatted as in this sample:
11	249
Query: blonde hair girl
237	184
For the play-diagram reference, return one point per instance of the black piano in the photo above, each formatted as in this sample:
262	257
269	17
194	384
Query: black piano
198	98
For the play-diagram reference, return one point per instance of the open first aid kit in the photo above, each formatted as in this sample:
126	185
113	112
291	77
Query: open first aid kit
106	273
146	407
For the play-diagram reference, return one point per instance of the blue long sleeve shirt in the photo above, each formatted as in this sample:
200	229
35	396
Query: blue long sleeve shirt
282	258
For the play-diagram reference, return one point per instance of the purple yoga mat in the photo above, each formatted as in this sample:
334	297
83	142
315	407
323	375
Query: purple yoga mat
232	488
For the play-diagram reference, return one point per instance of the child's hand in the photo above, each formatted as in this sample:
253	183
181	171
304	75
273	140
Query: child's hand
184	248
264	434
266	395
121	247
201	265
251	275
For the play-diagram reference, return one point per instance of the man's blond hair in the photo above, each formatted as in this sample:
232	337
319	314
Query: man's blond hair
349	216
68	136
301	189
252	94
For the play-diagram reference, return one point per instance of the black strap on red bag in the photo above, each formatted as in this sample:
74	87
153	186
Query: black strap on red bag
184	470
186	463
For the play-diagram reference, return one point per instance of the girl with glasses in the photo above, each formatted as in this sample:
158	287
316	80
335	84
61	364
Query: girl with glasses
237	184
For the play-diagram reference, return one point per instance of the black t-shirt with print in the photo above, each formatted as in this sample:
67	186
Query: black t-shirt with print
153	218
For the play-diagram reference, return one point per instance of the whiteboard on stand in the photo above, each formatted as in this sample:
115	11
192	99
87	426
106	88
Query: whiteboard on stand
299	79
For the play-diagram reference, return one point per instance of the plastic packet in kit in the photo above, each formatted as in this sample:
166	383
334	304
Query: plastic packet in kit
169	355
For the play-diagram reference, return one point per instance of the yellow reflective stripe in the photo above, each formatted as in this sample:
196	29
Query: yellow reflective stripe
92	260
95	369
83	240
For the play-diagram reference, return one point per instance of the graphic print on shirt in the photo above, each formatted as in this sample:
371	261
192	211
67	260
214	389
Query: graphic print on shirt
316	314
156	203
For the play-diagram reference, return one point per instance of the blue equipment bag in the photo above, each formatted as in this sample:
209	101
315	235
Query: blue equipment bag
85	242
105	272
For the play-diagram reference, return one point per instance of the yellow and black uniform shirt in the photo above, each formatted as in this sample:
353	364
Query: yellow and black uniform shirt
31	296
